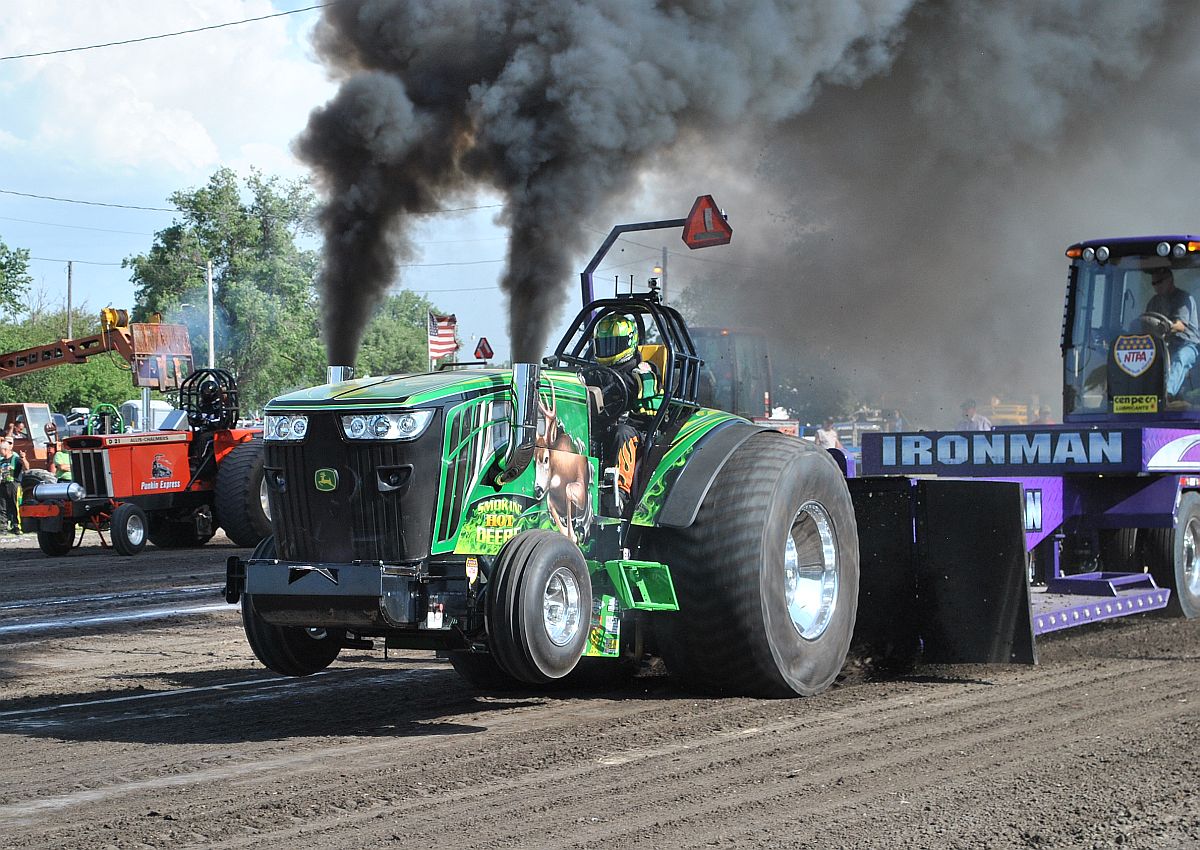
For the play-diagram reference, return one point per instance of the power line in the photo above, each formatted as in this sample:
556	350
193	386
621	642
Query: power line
75	226
84	262
177	210
88	203
167	34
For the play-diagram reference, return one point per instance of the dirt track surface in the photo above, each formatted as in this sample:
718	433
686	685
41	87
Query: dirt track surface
162	731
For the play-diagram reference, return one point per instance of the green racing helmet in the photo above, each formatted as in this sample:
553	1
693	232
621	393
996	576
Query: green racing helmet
616	340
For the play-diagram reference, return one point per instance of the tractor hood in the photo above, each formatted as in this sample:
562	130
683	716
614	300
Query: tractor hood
407	390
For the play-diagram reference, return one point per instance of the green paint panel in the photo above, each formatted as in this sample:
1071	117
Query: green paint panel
699	424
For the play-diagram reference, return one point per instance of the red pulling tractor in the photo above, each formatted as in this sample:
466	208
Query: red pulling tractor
173	487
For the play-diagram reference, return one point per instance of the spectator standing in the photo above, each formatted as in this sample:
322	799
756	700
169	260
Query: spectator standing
827	436
60	460
12	467
972	420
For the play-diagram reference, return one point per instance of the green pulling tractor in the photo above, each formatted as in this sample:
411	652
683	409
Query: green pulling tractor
479	512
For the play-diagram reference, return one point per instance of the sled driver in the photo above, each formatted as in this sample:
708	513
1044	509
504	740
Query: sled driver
1183	336
615	345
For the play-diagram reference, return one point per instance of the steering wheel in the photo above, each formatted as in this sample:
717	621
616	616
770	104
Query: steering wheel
1155	324
613	388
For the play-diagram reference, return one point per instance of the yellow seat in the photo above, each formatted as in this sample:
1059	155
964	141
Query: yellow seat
655	355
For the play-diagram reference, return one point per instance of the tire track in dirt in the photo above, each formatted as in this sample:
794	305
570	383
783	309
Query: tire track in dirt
722	751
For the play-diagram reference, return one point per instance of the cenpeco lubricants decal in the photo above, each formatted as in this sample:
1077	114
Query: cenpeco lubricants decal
699	424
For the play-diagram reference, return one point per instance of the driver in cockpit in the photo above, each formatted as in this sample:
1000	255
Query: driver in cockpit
1183	334
615	345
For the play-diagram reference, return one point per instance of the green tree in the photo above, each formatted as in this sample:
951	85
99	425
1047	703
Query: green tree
265	305
396	339
14	278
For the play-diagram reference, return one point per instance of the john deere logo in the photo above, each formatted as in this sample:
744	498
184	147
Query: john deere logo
326	480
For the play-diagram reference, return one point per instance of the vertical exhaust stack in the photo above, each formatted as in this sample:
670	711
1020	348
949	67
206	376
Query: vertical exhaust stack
337	374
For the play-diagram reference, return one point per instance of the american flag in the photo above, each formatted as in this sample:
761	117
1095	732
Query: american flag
441	336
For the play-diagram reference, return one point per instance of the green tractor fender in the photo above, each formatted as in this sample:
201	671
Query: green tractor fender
683	478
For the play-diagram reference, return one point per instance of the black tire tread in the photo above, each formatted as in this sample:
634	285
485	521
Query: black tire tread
288	650
237	505
716	641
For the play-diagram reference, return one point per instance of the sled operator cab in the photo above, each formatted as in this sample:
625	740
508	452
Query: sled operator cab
1119	343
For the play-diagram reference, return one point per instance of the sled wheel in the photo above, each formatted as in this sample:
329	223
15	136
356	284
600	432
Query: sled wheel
539	607
241	495
1174	557
767	575
1118	550
289	650
57	543
128	526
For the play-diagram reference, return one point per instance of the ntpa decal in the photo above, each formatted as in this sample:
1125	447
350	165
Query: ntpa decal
1134	354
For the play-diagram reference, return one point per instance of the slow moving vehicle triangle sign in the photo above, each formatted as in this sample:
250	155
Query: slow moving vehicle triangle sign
705	225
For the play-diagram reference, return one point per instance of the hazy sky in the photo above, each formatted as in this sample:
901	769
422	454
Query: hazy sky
130	124
902	177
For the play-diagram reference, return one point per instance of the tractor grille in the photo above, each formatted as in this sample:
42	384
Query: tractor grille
358	520
89	467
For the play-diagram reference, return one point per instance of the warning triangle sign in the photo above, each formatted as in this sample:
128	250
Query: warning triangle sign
705	226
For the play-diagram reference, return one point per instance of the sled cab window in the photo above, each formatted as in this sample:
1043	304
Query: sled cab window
1105	301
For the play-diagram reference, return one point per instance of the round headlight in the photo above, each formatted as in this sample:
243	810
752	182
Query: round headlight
380	426
1102	253
1162	249
299	427
285	427
407	424
1089	254
358	427
1179	251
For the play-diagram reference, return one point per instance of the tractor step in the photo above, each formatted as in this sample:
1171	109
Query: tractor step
644	585
1055	611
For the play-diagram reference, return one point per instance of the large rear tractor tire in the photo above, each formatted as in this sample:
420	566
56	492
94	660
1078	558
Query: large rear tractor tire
1173	555
539	607
288	650
128	528
767	575
241	496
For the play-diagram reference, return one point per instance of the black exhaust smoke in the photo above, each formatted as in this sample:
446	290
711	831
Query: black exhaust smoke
560	106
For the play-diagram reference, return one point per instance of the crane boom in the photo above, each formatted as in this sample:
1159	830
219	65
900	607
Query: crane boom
160	354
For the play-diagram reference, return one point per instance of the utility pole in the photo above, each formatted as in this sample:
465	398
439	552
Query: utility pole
70	332
212	354
664	275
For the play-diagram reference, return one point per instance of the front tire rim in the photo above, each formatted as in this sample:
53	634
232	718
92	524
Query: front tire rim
1190	580
561	608
811	571
135	530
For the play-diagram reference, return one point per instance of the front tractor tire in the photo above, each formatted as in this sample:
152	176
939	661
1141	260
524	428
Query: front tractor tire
128	528
287	650
241	495
539	607
57	543
767	575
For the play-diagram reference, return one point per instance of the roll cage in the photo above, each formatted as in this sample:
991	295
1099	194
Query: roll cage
681	370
